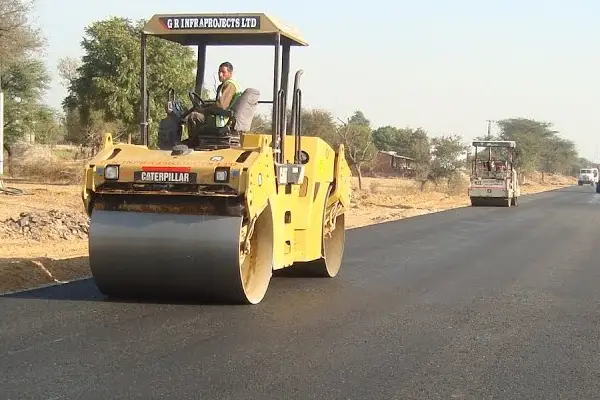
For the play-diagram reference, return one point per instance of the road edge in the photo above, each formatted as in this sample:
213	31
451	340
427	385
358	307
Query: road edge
53	284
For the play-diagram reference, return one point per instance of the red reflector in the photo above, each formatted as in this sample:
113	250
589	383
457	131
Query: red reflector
166	169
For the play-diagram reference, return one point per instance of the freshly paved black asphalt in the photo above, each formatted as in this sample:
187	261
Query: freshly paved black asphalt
474	303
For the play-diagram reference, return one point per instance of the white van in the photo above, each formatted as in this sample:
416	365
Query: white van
588	176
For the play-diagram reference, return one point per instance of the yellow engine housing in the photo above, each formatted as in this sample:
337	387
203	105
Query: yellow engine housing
297	210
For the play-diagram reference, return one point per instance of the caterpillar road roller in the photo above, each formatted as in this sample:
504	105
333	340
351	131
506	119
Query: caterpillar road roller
494	180
212	219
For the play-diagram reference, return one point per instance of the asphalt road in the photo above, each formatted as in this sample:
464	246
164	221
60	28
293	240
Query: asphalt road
474	303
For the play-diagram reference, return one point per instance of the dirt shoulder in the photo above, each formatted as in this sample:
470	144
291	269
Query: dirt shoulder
43	233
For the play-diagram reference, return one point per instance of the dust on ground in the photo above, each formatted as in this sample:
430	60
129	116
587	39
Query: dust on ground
43	233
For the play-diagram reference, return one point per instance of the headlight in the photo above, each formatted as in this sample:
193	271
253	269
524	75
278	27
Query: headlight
111	172
221	175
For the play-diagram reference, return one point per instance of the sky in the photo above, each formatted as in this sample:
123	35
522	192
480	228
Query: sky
445	66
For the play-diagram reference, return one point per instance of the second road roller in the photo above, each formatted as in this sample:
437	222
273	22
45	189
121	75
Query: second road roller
212	216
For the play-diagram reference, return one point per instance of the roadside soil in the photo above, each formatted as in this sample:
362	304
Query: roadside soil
43	232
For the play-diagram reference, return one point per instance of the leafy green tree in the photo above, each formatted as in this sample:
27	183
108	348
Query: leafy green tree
359	119
529	135
384	137
416	144
579	163
23	77
46	127
108	79
313	122
89	133
319	123
413	143
447	156
539	146
557	156
24	83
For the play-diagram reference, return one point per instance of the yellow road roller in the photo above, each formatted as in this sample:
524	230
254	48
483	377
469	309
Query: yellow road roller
212	219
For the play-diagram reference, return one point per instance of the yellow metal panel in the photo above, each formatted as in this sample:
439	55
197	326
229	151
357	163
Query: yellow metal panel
214	29
297	216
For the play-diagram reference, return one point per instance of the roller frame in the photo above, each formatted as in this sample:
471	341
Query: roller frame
290	185
126	262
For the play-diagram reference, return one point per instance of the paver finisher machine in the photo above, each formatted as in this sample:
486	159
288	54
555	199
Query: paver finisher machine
494	181
214	221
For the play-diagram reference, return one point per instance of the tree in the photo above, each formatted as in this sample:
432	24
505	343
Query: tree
580	163
558	155
413	143
385	137
358	118
261	123
88	131
46	127
67	70
24	83
318	123
313	122
447	154
17	36
538	146
108	78
22	76
355	135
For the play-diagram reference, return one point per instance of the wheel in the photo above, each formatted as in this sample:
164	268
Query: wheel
256	259
334	238
333	248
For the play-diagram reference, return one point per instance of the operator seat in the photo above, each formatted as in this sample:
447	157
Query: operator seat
169	128
240	121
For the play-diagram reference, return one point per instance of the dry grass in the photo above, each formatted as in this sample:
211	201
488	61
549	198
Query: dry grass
45	164
52	178
456	186
45	171
384	199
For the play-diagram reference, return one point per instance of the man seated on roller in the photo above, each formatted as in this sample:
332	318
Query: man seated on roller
208	118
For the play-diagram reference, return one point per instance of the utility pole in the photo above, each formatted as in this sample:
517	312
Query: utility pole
489	129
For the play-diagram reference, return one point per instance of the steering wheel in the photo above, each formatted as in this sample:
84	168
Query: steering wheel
197	102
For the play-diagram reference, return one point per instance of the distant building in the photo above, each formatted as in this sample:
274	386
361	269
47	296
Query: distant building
389	163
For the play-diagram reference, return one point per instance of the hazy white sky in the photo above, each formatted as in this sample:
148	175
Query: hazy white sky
446	66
